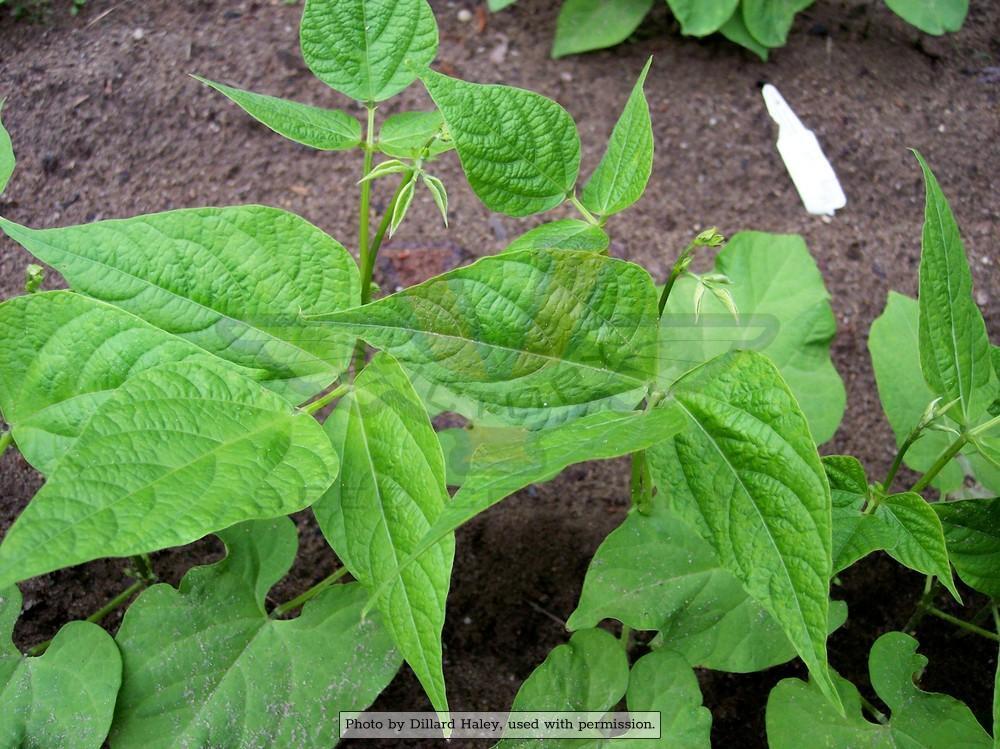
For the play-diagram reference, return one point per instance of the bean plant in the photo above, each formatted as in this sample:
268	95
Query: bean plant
757	25
214	370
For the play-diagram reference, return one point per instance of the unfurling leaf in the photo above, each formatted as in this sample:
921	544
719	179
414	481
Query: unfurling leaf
325	129
34	277
520	151
206	666
438	193
390	491
176	452
369	50
384	169
402	203
64	699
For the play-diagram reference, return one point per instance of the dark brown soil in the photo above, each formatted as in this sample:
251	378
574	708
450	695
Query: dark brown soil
106	124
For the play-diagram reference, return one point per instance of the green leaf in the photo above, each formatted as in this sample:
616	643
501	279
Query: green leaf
664	682
176	452
935	720
233	281
904	525
390	492
368	50
534	337
954	347
64	699
855	534
892	343
654	572
784	312
747	475
520	151
565	234
972	534
64	354
735	30
325	129
798	714
769	21
702	17
206	666
918	539
620	179
405	135
495	5
931	16
585	25
590	673
7	160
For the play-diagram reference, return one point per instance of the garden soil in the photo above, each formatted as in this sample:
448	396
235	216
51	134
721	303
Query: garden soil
106	124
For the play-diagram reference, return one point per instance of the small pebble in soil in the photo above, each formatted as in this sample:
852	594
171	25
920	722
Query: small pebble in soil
138	35
465	15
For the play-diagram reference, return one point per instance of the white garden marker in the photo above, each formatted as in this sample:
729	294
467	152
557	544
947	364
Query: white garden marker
809	169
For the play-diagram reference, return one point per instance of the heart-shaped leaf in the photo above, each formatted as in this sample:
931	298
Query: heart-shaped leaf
63	699
206	666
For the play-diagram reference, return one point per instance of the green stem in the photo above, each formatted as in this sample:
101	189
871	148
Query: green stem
641	484
962	624
897	462
5	440
314	591
985	426
626	638
940	463
98	616
922	605
680	265
873	711
364	211
590	217
316	405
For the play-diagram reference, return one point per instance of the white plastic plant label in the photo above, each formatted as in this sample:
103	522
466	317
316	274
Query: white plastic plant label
808	167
